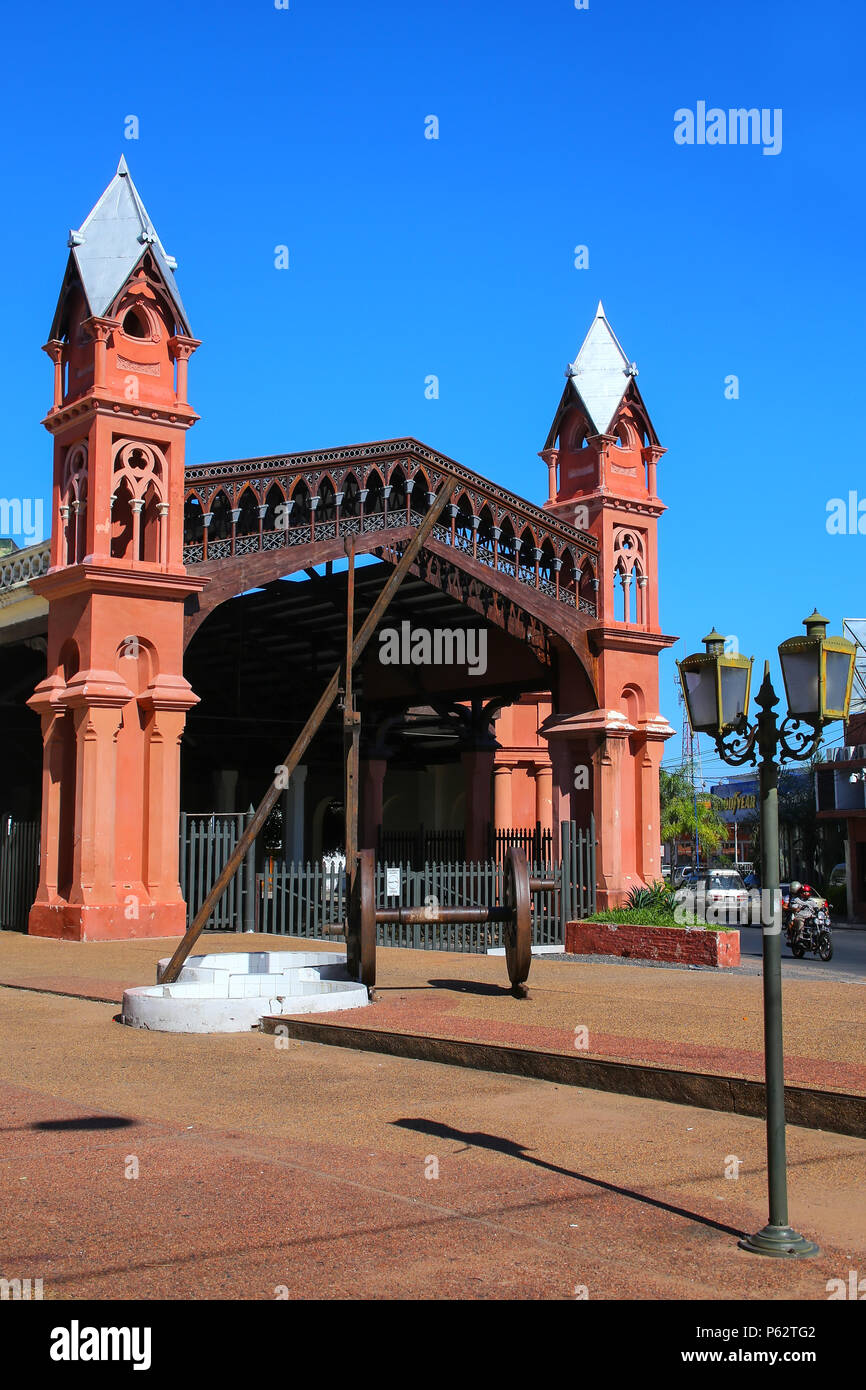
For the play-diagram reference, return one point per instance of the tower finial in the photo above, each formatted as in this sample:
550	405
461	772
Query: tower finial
122	167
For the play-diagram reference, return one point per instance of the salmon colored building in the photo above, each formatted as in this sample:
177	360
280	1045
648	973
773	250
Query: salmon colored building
177	655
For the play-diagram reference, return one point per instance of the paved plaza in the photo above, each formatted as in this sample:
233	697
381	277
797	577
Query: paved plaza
271	1167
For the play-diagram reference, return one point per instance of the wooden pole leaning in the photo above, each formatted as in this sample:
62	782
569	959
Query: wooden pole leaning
305	737
351	727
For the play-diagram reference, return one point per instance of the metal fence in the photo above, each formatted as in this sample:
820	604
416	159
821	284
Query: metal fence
419	847
19	871
206	843
536	844
302	900
309	900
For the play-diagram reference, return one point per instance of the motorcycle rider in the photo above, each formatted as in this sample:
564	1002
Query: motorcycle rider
799	909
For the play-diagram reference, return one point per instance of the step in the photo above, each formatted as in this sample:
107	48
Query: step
230	992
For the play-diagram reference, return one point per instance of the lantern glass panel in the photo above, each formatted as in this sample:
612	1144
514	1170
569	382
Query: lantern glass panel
836	688
801	682
734	682
702	696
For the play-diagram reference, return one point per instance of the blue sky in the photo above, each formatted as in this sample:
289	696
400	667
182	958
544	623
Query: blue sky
260	127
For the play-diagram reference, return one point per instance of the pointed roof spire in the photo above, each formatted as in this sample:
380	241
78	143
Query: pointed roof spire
601	372
109	244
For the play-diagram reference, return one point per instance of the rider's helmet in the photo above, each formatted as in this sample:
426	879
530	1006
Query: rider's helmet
796	888
808	891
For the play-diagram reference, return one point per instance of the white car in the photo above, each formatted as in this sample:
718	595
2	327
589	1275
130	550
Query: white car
718	897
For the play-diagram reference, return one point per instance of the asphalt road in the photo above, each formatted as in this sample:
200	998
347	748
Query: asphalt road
848	963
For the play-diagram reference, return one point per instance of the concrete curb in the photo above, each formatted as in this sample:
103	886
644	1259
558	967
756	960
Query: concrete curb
834	1111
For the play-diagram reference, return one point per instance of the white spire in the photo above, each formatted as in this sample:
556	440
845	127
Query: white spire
109	244
601	372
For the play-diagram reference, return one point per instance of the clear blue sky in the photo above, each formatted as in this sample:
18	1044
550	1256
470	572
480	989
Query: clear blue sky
410	256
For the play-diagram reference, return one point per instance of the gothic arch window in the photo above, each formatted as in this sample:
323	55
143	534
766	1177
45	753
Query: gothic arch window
274	498
375	494
351	496
579	433
121	520
629	566
300	515
626	434
567	573
507	548
327	508
138	501
485	533
586	585
73	505
420	493
149	533
628	548
526	554
463	522
397	499
248	521
221	519
135	323
193	525
545	566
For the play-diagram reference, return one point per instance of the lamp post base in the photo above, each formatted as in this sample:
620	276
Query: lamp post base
780	1241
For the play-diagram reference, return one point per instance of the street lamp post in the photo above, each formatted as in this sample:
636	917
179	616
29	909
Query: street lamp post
818	672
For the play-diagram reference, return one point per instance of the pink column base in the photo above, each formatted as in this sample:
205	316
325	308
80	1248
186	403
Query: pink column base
106	921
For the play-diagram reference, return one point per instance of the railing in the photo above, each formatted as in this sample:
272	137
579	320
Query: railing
402	460
17	569
302	900
19	871
206	843
416	847
309	900
537	844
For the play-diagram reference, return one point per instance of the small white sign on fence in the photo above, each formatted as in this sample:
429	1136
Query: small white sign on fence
392	883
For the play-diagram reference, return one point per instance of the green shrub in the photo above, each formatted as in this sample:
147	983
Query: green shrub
649	917
656	895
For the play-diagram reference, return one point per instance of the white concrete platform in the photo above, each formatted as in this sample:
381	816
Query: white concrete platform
230	992
536	950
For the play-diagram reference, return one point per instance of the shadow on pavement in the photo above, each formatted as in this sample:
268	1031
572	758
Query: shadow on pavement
479	1140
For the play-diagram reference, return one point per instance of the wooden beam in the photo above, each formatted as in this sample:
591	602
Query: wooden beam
327	698
351	729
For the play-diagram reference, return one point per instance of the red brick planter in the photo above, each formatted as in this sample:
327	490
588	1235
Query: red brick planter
676	944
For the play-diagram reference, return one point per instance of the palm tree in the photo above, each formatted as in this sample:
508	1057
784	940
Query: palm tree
677	796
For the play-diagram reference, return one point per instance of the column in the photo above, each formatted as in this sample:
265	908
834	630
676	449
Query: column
607	793
642	610
477	767
47	702
96	727
502	800
162	781
543	773
649	759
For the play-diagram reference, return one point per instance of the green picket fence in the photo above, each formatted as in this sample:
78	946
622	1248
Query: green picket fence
19	871
309	900
206	844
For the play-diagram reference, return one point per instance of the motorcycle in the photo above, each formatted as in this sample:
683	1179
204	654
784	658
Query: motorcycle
810	931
